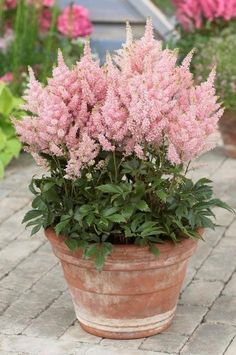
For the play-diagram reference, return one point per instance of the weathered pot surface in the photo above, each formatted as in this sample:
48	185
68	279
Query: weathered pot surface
227	126
135	294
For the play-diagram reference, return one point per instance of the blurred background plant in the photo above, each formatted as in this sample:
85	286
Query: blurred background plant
9	145
210	27
31	31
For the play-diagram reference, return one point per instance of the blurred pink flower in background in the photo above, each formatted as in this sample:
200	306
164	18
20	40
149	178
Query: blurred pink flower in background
191	13
48	3
45	19
10	4
74	22
7	78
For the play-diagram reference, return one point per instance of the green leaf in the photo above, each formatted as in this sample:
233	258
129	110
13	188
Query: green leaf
1	170
118	218
36	229
110	188
142	206
48	186
6	101
61	226
90	251
153	248
109	211
72	244
13	146
3	140
31	215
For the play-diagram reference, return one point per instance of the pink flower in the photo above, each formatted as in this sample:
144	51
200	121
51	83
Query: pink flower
74	22
45	19
40	3
191	13
10	4
48	3
139	100
7	78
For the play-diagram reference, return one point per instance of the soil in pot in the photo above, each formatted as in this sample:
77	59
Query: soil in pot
135	294
227	126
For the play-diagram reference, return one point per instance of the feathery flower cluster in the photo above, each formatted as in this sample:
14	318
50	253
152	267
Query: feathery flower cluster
74	22
139	99
191	13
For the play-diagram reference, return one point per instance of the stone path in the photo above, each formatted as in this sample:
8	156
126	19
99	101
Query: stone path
36	313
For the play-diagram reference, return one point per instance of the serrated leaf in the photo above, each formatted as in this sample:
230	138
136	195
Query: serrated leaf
109	188
142	206
118	218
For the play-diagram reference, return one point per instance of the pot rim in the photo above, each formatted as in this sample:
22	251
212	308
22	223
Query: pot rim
128	256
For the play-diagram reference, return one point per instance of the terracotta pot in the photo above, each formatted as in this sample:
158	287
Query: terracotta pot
227	126
135	294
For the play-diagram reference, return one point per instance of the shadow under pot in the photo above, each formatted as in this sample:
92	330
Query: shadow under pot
134	295
227	125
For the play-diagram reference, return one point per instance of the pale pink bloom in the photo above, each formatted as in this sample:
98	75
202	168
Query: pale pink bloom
6	40
48	3
139	100
7	78
74	21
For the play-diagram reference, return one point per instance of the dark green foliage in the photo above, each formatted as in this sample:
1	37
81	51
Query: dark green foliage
127	202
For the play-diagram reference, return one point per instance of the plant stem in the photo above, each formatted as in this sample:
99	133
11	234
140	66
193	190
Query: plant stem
115	167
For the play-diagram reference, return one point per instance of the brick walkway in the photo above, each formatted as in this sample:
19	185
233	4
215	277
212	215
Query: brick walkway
36	313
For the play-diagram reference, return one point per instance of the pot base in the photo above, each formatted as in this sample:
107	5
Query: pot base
125	335
126	328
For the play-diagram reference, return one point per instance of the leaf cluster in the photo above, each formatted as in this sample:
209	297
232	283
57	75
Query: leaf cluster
128	201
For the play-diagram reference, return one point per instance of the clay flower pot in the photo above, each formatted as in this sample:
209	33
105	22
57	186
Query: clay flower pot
135	294
227	126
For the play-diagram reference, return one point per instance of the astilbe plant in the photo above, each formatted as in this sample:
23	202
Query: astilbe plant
117	141
194	13
209	26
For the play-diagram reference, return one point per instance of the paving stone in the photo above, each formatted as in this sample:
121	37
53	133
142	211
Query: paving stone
189	276
221	263
223	310
30	304
164	342
187	318
37	346
122	344
232	348
29	271
54	321
15	252
230	288
209	339
76	333
201	292
231	231
105	350
9	205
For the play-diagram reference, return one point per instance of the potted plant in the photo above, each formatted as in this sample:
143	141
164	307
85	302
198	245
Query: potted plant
210	27
116	204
